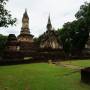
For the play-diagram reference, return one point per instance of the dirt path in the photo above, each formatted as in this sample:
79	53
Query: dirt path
67	65
74	68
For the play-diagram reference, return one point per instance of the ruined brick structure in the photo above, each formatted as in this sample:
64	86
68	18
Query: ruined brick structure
25	39
50	38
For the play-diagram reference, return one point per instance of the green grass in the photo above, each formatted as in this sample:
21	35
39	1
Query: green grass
41	76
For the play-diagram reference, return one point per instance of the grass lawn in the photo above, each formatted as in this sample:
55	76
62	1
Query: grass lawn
42	76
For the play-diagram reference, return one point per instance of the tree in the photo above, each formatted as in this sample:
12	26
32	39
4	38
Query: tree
74	35
64	35
3	40
5	16
84	15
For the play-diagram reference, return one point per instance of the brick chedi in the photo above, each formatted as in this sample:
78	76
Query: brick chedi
12	43
25	39
50	38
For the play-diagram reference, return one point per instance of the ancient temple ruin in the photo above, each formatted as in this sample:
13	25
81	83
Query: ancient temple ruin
25	39
50	38
22	46
12	43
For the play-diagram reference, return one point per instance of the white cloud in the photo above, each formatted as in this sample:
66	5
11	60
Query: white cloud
61	11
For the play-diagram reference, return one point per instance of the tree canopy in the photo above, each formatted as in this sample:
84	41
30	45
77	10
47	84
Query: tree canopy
5	16
74	35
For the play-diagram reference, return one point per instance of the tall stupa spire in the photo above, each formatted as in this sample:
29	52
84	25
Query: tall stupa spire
25	23
25	9
25	15
25	35
49	20
49	25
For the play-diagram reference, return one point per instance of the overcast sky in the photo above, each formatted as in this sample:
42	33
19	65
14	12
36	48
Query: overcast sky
61	11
